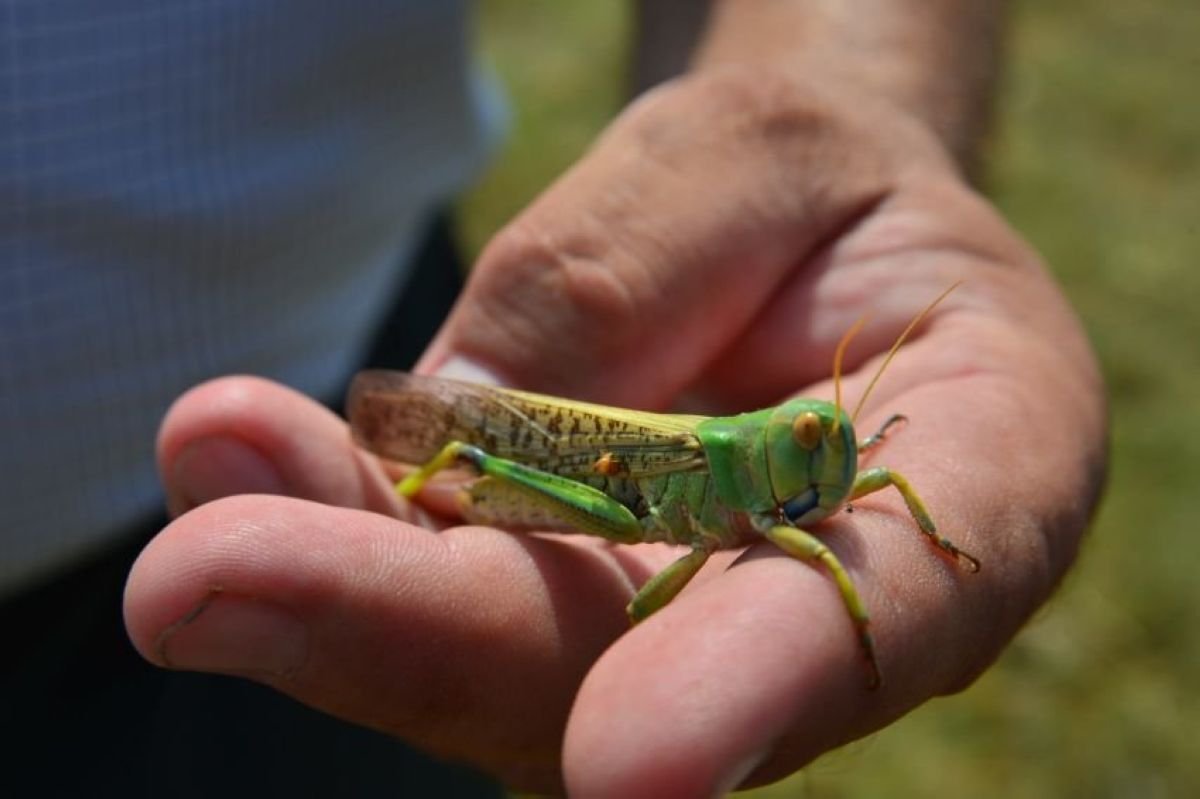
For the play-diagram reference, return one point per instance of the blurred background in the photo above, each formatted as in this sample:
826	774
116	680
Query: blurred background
1096	159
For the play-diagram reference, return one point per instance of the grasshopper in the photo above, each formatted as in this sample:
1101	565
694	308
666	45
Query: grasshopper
630	476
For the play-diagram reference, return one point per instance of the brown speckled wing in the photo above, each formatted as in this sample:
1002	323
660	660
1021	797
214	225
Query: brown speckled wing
408	418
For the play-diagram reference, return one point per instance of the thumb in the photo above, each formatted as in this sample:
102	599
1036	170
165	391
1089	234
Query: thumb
644	262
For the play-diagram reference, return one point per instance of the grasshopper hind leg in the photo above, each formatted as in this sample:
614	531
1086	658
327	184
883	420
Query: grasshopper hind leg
524	496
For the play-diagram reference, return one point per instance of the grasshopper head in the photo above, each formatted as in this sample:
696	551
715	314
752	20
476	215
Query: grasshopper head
812	456
812	453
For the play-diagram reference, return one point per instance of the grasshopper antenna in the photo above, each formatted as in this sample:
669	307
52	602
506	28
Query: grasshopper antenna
837	372
891	353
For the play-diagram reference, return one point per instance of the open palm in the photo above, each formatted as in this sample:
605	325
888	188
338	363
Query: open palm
709	270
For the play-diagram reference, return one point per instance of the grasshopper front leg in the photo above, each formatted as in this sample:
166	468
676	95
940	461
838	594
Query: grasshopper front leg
666	585
807	547
869	481
876	438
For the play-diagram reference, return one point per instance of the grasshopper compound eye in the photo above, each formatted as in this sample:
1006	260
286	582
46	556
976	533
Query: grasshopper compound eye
806	430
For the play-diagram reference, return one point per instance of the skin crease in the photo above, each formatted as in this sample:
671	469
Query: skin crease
642	280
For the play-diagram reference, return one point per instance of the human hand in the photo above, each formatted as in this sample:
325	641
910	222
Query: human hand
709	252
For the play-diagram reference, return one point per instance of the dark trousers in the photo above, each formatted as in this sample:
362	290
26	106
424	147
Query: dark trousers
81	714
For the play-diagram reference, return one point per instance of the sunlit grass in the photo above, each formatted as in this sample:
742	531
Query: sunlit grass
1097	161
562	65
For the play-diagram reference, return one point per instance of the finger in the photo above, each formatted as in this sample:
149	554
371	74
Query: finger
649	257
469	643
692	701
239	435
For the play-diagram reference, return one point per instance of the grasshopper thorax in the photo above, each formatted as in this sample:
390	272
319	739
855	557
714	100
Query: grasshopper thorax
812	456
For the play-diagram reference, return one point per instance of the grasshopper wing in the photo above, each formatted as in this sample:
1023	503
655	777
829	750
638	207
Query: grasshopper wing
408	418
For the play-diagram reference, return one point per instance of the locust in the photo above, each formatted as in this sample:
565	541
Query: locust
630	476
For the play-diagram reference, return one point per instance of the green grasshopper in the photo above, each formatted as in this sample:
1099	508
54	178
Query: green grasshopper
631	476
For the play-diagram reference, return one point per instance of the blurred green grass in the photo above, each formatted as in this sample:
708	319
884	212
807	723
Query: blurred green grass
1096	159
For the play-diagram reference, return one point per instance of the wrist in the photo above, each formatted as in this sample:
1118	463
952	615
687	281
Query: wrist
934	60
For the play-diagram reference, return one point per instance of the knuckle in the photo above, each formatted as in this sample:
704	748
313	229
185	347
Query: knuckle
570	271
802	147
556	294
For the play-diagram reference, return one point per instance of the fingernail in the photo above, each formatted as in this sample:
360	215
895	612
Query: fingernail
457	367
738	773
211	468
231	634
